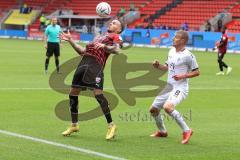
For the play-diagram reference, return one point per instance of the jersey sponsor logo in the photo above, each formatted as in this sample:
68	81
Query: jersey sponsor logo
98	79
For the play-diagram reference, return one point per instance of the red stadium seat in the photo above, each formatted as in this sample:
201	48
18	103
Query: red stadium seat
195	13
234	26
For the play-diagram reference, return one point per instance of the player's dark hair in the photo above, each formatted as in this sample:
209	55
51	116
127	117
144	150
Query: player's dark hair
122	26
224	30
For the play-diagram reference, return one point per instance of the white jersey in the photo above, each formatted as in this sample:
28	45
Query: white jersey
180	63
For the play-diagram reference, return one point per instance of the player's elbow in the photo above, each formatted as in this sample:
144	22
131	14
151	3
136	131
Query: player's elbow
79	51
197	73
165	68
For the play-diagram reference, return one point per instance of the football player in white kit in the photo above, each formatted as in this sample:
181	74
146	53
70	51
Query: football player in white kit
181	64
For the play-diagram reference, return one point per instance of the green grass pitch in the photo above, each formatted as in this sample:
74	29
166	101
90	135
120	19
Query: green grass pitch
27	107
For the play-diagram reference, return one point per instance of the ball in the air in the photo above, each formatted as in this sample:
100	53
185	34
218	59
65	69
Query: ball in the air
103	9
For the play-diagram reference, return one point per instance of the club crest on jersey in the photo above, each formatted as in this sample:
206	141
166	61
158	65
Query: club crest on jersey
98	79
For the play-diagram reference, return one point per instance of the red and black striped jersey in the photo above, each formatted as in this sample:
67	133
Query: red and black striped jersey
224	40
100	54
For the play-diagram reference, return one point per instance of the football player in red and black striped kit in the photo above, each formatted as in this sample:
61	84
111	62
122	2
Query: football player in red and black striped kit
222	50
89	73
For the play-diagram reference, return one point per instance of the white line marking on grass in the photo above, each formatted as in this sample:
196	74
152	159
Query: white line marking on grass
86	151
26	89
110	88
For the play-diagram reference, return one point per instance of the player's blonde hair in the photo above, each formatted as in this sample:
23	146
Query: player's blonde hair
184	35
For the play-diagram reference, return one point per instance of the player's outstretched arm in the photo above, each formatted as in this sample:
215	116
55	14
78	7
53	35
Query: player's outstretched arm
159	66
79	49
67	37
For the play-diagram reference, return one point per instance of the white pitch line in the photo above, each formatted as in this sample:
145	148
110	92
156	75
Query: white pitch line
86	151
110	88
26	88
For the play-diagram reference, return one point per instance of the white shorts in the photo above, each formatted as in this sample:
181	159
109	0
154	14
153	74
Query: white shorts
169	94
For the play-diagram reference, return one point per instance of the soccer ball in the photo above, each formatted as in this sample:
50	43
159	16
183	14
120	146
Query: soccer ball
103	9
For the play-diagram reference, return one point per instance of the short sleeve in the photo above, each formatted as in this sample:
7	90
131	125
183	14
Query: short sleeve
166	62
192	62
117	39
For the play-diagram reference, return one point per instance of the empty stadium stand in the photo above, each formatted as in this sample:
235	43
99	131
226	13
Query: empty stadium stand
6	5
194	12
47	7
20	19
234	26
80	7
150	9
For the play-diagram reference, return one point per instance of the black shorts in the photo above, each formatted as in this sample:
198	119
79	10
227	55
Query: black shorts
89	74
220	56
53	48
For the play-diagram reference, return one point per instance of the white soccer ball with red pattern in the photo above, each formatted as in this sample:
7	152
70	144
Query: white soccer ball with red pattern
103	9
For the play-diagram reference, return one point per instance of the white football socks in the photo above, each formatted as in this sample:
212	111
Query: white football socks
160	123
179	119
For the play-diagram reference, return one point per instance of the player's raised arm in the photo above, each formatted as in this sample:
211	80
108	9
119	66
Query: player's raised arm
159	66
68	37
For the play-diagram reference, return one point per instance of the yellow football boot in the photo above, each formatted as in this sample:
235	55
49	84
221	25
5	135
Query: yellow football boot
70	130
111	132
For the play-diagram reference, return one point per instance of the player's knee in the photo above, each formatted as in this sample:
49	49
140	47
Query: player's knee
219	61
154	111
168	107
97	92
101	99
103	103
74	91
